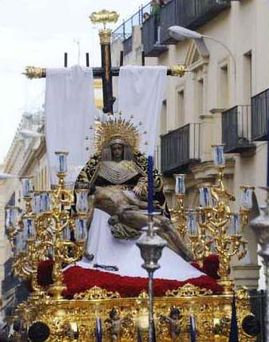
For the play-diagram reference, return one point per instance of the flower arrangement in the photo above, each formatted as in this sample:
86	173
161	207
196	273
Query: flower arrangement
78	280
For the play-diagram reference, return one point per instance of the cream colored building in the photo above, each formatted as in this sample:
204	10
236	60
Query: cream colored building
221	99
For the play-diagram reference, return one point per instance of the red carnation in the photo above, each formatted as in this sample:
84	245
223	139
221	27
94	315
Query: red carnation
44	272
211	266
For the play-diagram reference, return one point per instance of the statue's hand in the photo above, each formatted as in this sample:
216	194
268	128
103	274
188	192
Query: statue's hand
141	188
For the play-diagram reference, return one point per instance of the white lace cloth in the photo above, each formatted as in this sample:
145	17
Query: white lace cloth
125	255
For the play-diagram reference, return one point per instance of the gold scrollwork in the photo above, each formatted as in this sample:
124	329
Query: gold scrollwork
32	72
96	293
104	17
188	290
178	70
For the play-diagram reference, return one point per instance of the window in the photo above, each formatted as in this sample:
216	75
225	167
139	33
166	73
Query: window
200	97
224	87
247	77
163	121
181	107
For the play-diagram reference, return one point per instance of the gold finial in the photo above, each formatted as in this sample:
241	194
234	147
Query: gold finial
34	72
104	17
178	70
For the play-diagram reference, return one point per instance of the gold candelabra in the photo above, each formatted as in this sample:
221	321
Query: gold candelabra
213	228
51	227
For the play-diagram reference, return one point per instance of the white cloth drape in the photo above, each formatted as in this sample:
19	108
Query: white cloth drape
70	112
125	255
140	98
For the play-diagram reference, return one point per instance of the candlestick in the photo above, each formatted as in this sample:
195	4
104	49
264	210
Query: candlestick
150	184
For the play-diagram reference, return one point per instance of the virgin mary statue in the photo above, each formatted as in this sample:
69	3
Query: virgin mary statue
116	177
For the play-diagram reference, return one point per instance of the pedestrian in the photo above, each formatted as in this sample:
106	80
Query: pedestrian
156	13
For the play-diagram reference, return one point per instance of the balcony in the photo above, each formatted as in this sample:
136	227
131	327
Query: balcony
236	133
186	13
124	31
180	148
149	38
127	45
260	116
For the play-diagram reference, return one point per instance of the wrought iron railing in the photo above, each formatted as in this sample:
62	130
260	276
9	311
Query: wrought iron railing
186	13
258	308
236	129
124	31
260	116
180	148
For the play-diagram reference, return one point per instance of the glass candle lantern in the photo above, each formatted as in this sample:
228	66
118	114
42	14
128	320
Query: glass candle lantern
37	203
192	222
82	204
62	161
27	187
246	196
205	197
66	234
28	228
180	188
235	224
44	199
20	242
218	155
50	252
11	216
81	230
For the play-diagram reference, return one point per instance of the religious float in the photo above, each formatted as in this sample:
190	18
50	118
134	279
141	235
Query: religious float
79	249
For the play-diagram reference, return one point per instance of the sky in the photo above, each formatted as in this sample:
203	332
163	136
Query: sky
38	32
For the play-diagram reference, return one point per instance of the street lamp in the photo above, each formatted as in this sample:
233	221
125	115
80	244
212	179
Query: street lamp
26	133
4	176
180	33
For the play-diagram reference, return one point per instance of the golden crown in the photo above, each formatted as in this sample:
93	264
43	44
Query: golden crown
114	129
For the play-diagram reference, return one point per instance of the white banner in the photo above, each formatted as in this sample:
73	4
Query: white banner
140	98
70	112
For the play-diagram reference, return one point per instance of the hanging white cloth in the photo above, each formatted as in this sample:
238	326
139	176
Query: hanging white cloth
125	255
140	96
70	112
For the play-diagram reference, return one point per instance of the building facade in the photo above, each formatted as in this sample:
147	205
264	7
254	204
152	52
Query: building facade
222	98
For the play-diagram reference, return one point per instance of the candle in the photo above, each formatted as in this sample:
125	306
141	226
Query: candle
191	222
235	224
37	203
82	205
11	216
66	234
180	188
62	161
81	230
44	202
218	155
205	197
246	196
26	186
150	184
28	230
